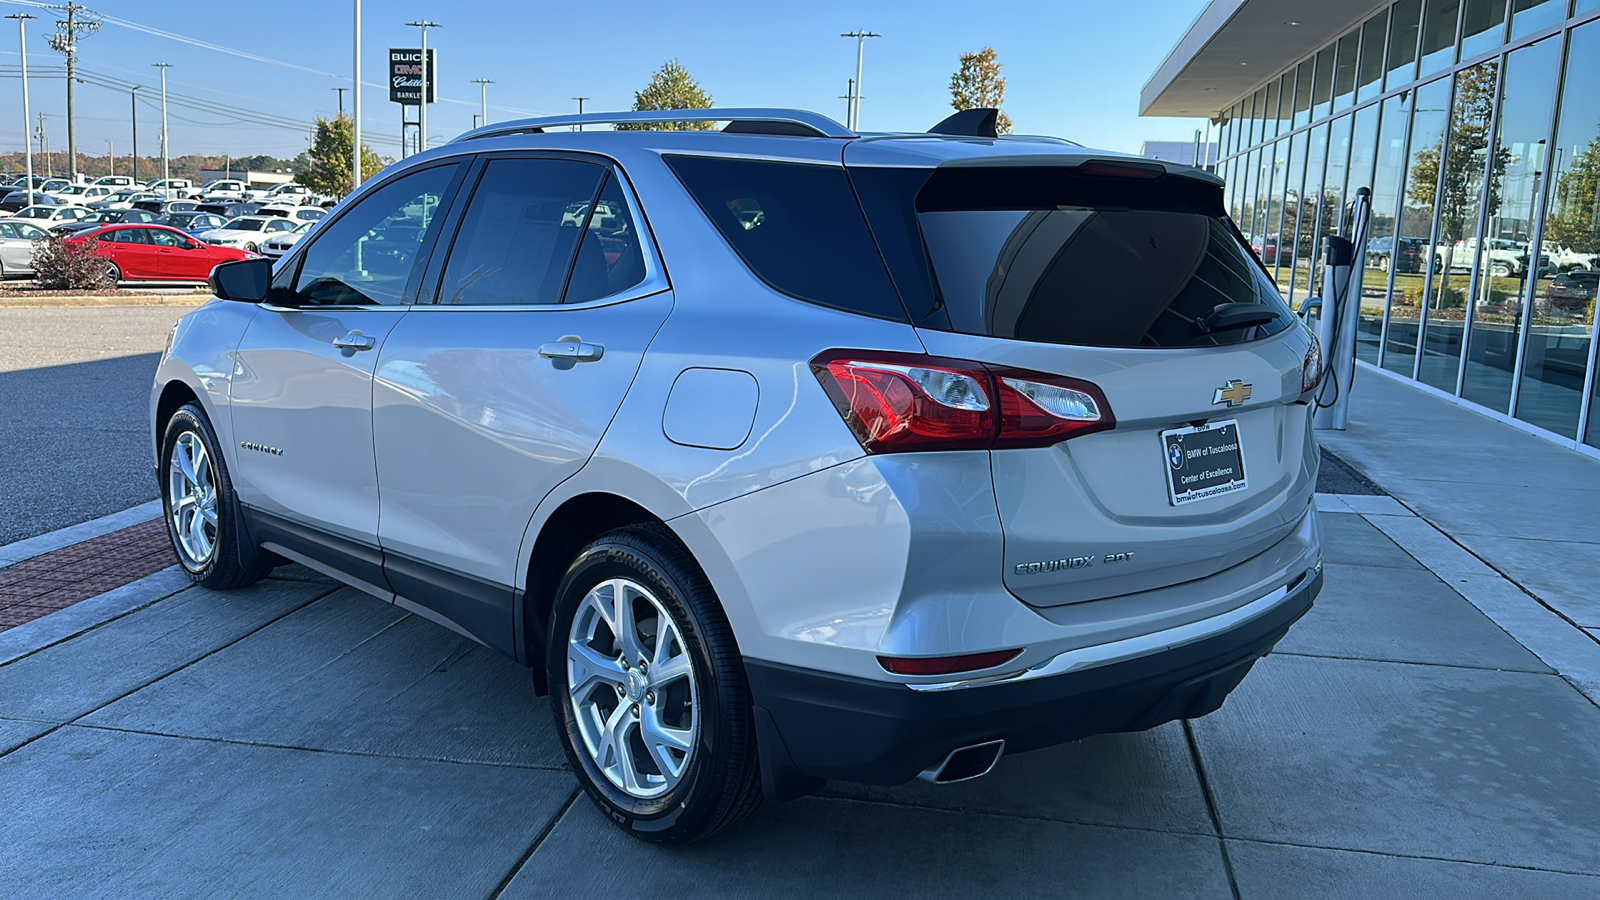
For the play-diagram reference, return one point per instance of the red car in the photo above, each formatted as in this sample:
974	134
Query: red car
154	253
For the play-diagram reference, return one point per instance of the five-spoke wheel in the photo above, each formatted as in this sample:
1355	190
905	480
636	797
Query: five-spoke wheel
192	502
197	497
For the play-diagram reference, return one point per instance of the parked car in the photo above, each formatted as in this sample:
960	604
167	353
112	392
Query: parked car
45	215
279	244
172	188
163	207
1573	291
11	203
1565	259
224	191
154	253
230	210
1266	248
115	181
82	194
17	243
297	213
246	232
104	217
193	221
51	185
793	515
291	194
1409	258
124	199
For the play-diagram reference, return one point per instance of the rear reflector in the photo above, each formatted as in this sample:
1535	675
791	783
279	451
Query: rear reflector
899	402
945	665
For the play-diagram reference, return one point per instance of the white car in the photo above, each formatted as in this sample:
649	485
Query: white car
224	192
114	181
124	199
1566	259
181	188
45	216
247	232
16	247
280	243
291	193
297	213
82	194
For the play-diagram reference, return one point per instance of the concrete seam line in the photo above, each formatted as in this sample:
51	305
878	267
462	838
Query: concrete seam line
40	544
1545	633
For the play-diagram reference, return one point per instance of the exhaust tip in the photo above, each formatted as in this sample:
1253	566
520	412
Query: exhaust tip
965	763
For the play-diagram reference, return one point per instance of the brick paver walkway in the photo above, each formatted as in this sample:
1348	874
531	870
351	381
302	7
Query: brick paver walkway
55	580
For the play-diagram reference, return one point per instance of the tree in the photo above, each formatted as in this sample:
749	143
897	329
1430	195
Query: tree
978	85
671	87
1463	159
1574	222
328	169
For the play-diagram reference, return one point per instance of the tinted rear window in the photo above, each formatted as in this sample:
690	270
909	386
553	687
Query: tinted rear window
798	227
1051	256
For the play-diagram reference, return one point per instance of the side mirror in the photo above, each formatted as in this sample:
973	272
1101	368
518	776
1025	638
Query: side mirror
244	280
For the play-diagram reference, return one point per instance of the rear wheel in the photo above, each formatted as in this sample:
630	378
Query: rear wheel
649	692
1500	270
112	274
198	500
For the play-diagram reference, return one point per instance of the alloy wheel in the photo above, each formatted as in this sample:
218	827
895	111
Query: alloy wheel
631	686
192	500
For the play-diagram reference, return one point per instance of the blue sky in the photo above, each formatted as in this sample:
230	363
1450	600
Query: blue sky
1074	68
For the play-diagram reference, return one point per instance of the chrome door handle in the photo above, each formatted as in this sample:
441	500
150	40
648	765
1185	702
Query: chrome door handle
355	340
574	350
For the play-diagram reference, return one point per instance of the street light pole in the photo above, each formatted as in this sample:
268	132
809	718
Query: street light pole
422	106
27	147
166	172
355	102
580	108
861	35
133	105
483	85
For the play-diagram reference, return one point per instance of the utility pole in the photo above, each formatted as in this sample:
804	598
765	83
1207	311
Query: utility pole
861	35
355	103
849	98
65	41
422	107
341	91
111	150
483	86
580	108
27	148
133	104
166	176
44	148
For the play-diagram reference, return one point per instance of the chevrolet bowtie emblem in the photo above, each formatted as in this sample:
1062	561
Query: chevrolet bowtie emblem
1233	393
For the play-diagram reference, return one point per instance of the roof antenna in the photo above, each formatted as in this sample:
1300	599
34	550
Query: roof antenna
969	123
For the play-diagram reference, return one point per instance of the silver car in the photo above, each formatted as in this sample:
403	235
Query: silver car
18	240
792	455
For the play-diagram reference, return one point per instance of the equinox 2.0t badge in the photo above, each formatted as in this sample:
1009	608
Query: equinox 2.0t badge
1233	393
1071	562
261	448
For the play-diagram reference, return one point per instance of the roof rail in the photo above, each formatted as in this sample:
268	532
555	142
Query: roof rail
809	123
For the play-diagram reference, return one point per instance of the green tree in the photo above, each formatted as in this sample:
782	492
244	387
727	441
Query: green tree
1463	158
977	85
671	87
1575	219
328	171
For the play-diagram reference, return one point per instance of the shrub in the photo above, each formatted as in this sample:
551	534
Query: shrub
60	266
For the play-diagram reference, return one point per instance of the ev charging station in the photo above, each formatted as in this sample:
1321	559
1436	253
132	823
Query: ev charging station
1335	315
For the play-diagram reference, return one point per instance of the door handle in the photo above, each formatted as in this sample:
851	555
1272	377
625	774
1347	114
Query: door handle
355	340
571	349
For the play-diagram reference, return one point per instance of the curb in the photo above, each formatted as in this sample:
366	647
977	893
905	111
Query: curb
28	548
45	631
26	302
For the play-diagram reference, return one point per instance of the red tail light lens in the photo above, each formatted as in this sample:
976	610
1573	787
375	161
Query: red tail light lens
945	665
897	402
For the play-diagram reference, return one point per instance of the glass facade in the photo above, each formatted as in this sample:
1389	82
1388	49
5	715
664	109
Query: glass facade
1475	125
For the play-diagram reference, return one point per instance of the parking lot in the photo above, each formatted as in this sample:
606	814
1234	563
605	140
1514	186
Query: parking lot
1427	730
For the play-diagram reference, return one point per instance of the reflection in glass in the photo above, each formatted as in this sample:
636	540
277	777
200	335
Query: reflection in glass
1305	242
1269	118
1247	197
1236	128
1270	201
1302	94
1455	247
1285	101
1369	78
1528	16
1517	168
1331	212
1438	35
1257	104
1407	255
1403	27
1482	26
1344	70
1285	238
1322	84
1583	6
1559	341
1363	146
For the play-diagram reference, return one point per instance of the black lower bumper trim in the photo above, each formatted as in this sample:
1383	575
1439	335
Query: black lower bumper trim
820	726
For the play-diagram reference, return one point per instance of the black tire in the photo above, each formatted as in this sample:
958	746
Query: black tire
721	784
113	275
223	569
251	247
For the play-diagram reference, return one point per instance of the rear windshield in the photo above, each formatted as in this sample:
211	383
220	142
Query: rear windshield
1049	255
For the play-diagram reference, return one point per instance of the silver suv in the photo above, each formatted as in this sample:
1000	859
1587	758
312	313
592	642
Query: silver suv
780	453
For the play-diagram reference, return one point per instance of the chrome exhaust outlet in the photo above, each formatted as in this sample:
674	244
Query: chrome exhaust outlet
965	763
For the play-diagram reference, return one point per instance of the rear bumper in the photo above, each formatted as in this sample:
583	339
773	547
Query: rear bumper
813	725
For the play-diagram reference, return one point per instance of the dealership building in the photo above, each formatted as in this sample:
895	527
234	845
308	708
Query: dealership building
1476	126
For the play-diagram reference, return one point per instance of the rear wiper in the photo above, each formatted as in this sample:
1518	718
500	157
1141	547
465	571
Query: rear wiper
1232	316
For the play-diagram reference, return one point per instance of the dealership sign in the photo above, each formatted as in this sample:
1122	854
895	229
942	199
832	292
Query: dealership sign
405	76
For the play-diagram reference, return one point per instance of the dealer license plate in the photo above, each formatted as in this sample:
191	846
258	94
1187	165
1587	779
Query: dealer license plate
1203	462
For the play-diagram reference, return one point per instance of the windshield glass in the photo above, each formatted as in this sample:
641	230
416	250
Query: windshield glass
246	224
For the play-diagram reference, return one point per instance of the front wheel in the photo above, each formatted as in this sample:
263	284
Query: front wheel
251	247
198	500
112	274
649	692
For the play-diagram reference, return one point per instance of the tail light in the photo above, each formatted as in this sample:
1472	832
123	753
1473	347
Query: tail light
899	402
945	665
1311	371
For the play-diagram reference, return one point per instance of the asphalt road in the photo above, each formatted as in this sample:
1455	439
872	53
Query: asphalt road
74	388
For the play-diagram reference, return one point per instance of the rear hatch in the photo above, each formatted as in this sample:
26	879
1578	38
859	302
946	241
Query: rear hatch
1127	276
